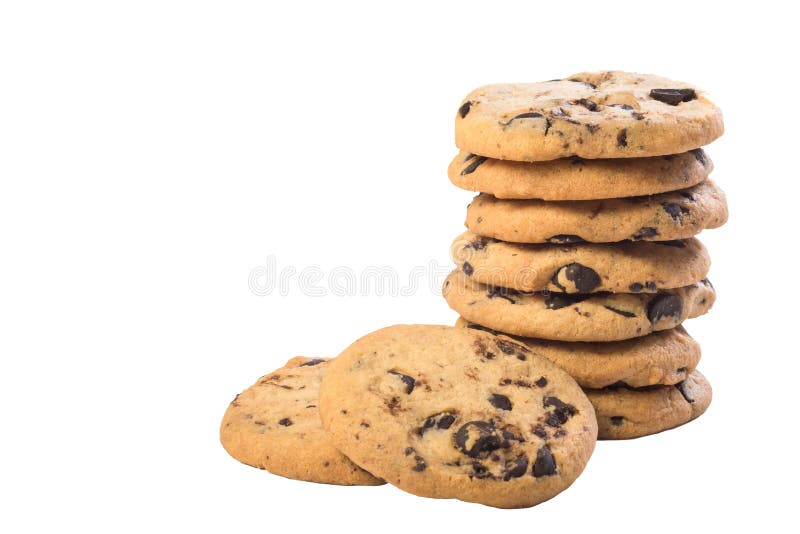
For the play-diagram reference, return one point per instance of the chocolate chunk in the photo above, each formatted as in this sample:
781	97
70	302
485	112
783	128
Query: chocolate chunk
636	115
584	278
441	421
540	431
477	162
622	138
509	347
503	293
620	312
674	210
650	285
673	97
464	109
592	127
409	451
556	301
700	156
477	439
635	287
407	380
467	268
616	420
681	386
531	115
545	464
666	305
588	104
285	422
645	232
542	382
445	421
564	239
593	86
515	468
315	361
561	411
501	402
419	464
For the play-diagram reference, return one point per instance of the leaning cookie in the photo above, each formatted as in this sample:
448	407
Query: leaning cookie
577	178
569	317
275	425
661	358
450	412
667	216
626	267
624	413
591	115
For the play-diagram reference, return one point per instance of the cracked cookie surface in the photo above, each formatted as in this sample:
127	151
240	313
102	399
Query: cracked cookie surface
624	413
591	115
663	217
661	358
450	412
579	179
625	267
575	317
274	425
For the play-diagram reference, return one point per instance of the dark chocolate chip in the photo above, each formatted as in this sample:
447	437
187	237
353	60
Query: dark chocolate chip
635	287
561	411
409	451
407	380
675	210
503	293
445	421
622	138
464	109
540	431
419	464
638	116
673	97
564	239
478	244
645	232
650	285
666	305
477	162
592	127
681	386
556	301
467	268
620	312
501	402
593	86
531	115
545	464
509	347
626	107
588	104
315	361
515	468
285	422
542	382
584	278
616	420
700	156
477	439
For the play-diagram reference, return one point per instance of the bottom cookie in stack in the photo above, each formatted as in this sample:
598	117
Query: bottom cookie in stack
638	386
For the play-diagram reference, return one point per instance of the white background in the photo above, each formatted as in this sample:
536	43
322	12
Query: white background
154	153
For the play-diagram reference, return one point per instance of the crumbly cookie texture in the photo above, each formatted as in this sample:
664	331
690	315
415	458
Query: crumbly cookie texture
624	413
577	178
575	317
591	115
661	358
450	412
626	267
275	425
664	217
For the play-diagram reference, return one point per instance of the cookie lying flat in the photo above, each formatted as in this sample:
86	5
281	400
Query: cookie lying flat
590	115
449	412
626	267
624	413
564	317
663	217
275	425
579	179
661	358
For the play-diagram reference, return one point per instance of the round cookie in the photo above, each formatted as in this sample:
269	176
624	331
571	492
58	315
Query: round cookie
274	425
450	412
591	115
625	267
565	317
624	413
661	358
577	178
663	217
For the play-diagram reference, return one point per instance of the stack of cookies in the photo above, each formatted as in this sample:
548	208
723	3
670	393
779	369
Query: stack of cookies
581	241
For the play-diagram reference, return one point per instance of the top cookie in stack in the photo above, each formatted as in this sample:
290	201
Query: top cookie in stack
591	190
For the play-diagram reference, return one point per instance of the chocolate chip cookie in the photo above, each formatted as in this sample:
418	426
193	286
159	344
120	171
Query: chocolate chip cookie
624	413
664	217
626	267
661	358
275	425
450	412
577	178
575	317
591	115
